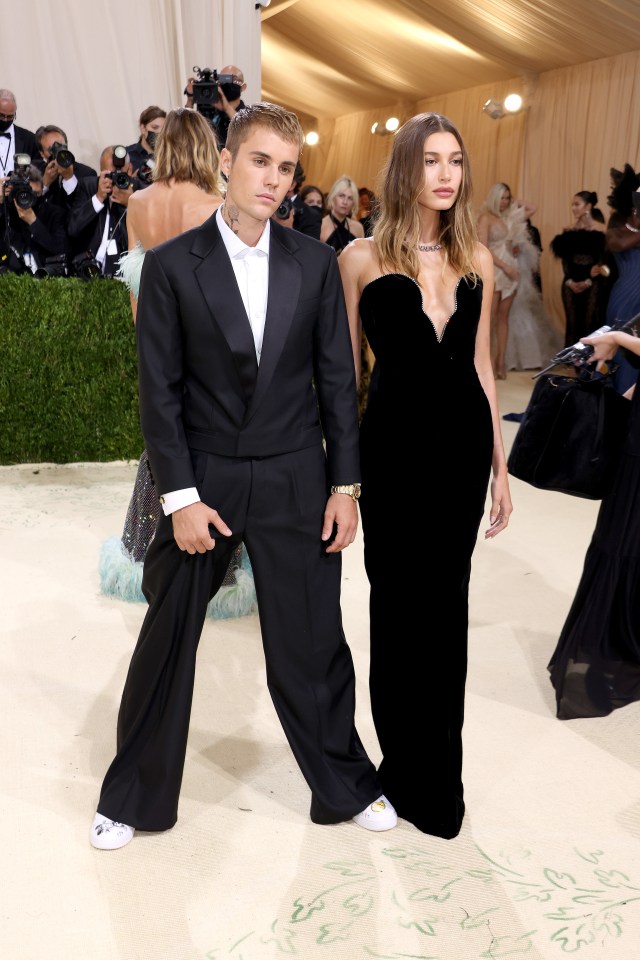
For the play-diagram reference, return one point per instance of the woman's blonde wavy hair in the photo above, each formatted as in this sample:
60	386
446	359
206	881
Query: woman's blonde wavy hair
186	150
396	233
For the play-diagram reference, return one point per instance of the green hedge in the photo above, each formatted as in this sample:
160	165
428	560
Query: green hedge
68	374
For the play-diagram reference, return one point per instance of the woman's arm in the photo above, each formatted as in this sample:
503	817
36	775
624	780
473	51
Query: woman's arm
501	506
352	263
619	238
132	240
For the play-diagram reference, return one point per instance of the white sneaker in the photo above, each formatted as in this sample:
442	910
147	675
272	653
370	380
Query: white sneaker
379	815
109	834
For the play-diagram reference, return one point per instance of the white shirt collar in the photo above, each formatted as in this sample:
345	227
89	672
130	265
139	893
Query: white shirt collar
237	248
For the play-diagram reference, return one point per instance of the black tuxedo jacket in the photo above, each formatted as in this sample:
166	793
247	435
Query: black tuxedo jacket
200	385
85	227
44	238
26	142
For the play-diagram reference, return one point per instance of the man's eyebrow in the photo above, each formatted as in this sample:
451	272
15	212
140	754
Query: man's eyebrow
267	156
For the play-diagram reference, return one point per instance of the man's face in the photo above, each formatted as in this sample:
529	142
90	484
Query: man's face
260	174
46	142
7	113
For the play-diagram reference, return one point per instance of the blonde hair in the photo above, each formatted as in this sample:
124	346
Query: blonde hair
186	150
341	182
492	203
269	116
397	230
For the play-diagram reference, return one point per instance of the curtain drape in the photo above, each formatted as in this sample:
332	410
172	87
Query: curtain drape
579	122
92	67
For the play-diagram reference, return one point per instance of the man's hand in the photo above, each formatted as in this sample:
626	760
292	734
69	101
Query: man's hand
191	527
342	511
223	104
51	173
122	196
28	216
105	186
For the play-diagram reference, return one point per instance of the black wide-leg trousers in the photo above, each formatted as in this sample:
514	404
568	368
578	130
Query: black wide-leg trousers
275	505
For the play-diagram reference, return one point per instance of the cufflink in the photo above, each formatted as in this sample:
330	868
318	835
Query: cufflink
162	501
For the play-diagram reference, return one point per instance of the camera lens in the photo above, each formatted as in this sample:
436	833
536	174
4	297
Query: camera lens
24	197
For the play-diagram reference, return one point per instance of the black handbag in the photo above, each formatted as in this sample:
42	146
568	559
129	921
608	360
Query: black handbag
571	435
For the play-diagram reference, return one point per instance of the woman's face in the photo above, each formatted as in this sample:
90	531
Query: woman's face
342	204
155	126
313	199
505	201
579	207
442	172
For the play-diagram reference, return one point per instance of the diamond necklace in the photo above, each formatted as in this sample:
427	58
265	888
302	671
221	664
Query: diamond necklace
427	247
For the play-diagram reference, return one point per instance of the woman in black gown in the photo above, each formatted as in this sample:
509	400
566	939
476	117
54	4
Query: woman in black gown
422	286
595	667
581	247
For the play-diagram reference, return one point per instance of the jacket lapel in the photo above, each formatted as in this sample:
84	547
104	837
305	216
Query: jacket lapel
285	277
217	282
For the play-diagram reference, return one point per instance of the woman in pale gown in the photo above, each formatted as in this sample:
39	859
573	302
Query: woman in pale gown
186	191
502	227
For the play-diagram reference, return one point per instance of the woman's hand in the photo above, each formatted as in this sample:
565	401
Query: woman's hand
604	346
501	506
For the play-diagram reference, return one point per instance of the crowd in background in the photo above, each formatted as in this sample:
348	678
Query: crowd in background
60	217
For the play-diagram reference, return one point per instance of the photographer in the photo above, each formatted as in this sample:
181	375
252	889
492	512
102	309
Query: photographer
151	122
221	110
31	231
60	169
13	139
97	223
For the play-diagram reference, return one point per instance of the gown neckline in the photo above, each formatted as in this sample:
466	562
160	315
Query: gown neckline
439	335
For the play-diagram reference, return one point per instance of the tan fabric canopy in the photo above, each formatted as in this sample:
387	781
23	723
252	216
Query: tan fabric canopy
344	64
333	57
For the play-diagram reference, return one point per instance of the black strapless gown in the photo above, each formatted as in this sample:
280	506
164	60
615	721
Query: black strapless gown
426	442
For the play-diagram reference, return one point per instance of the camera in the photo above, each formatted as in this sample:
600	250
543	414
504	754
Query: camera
118	177
85	266
205	89
284	209
52	267
144	172
18	181
61	154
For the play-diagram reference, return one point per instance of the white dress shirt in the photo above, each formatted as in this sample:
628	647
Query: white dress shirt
251	268
7	152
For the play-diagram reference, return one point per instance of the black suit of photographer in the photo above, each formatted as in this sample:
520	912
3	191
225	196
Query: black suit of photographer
45	237
86	225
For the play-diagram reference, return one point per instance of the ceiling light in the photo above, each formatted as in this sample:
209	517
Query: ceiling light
513	102
311	138
384	129
493	109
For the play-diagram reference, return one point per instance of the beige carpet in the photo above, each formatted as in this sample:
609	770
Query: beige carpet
548	861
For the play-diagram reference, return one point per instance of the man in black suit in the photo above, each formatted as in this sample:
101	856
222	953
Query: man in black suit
245	372
13	139
60	178
33	233
230	86
97	222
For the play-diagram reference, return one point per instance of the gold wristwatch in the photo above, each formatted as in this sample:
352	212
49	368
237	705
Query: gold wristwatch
351	489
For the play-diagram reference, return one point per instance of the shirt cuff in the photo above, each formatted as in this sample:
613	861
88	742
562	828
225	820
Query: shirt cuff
178	499
97	204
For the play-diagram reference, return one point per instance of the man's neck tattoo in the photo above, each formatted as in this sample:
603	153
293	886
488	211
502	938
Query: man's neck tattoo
231	216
